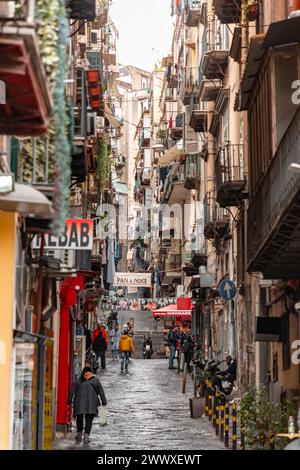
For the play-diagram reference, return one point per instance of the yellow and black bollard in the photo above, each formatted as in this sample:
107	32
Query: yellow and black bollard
222	415
210	403
217	398
206	398
234	426
272	441
226	433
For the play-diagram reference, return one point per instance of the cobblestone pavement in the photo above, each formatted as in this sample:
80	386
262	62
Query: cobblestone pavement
146	410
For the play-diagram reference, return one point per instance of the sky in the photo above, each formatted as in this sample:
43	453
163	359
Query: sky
143	25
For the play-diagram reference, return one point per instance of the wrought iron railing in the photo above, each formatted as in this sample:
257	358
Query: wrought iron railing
213	213
277	190
229	164
17	10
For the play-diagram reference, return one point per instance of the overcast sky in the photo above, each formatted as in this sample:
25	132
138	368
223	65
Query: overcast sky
143	25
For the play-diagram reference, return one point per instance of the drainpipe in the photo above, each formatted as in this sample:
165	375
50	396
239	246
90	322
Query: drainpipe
233	328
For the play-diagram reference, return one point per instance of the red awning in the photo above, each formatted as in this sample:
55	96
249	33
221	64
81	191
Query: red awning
172	311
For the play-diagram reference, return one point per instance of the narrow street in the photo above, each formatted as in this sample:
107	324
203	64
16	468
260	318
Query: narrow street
146	410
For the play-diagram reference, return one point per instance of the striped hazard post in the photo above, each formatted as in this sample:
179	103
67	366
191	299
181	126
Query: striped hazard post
210	403
206	398
222	418
234	426
226	433
217	412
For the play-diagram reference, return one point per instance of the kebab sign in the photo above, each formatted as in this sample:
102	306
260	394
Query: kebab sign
77	235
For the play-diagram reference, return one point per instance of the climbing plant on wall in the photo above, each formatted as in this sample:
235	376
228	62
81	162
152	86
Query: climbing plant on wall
53	32
103	161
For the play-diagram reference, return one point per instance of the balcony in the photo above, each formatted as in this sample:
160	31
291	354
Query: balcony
174	190
188	86
209	90
216	219
146	176
192	173
28	100
228	11
193	12
198	120
230	181
79	163
215	59
274	215
82	10
176	132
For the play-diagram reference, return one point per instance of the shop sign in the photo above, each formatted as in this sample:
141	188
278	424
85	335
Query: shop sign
133	279
78	235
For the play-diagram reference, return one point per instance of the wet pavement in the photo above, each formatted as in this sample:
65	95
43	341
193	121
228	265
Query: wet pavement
146	410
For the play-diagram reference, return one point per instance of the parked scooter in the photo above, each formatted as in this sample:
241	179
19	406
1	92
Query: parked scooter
147	347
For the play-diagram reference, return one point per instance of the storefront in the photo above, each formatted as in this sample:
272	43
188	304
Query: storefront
33	391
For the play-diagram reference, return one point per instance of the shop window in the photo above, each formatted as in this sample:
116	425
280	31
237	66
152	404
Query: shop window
286	64
286	346
275	367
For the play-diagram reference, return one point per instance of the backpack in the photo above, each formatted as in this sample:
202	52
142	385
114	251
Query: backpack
100	344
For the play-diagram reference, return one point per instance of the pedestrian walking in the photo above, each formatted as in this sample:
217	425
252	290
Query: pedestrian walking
100	343
172	340
126	347
114	342
86	394
188	349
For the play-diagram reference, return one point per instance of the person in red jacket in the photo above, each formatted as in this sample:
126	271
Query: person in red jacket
100	343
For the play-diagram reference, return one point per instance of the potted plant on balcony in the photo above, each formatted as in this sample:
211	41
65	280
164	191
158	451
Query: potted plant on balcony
252	9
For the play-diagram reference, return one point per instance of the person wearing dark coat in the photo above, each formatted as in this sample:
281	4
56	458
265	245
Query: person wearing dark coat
85	393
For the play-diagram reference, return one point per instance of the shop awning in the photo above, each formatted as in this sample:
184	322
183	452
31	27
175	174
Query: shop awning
172	154
112	119
255	55
172	311
283	32
26	200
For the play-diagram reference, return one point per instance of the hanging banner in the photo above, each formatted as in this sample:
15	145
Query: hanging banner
78	235
133	279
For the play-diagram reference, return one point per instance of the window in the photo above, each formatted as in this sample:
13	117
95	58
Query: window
144	83
94	38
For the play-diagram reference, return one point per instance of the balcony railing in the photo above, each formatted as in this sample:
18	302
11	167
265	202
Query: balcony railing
39	169
273	215
230	181
192	173
17	10
176	131
216	219
146	176
215	59
228	11
193	12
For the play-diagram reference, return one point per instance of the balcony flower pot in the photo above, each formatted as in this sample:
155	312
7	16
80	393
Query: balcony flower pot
252	12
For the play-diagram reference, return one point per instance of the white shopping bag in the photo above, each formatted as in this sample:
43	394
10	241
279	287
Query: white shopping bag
103	416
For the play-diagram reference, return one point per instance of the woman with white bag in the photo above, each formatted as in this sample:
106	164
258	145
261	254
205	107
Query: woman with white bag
87	393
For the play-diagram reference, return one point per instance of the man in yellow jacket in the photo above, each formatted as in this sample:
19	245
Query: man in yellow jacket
126	346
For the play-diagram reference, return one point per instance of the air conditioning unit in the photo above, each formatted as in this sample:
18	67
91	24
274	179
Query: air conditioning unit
100	122
92	124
